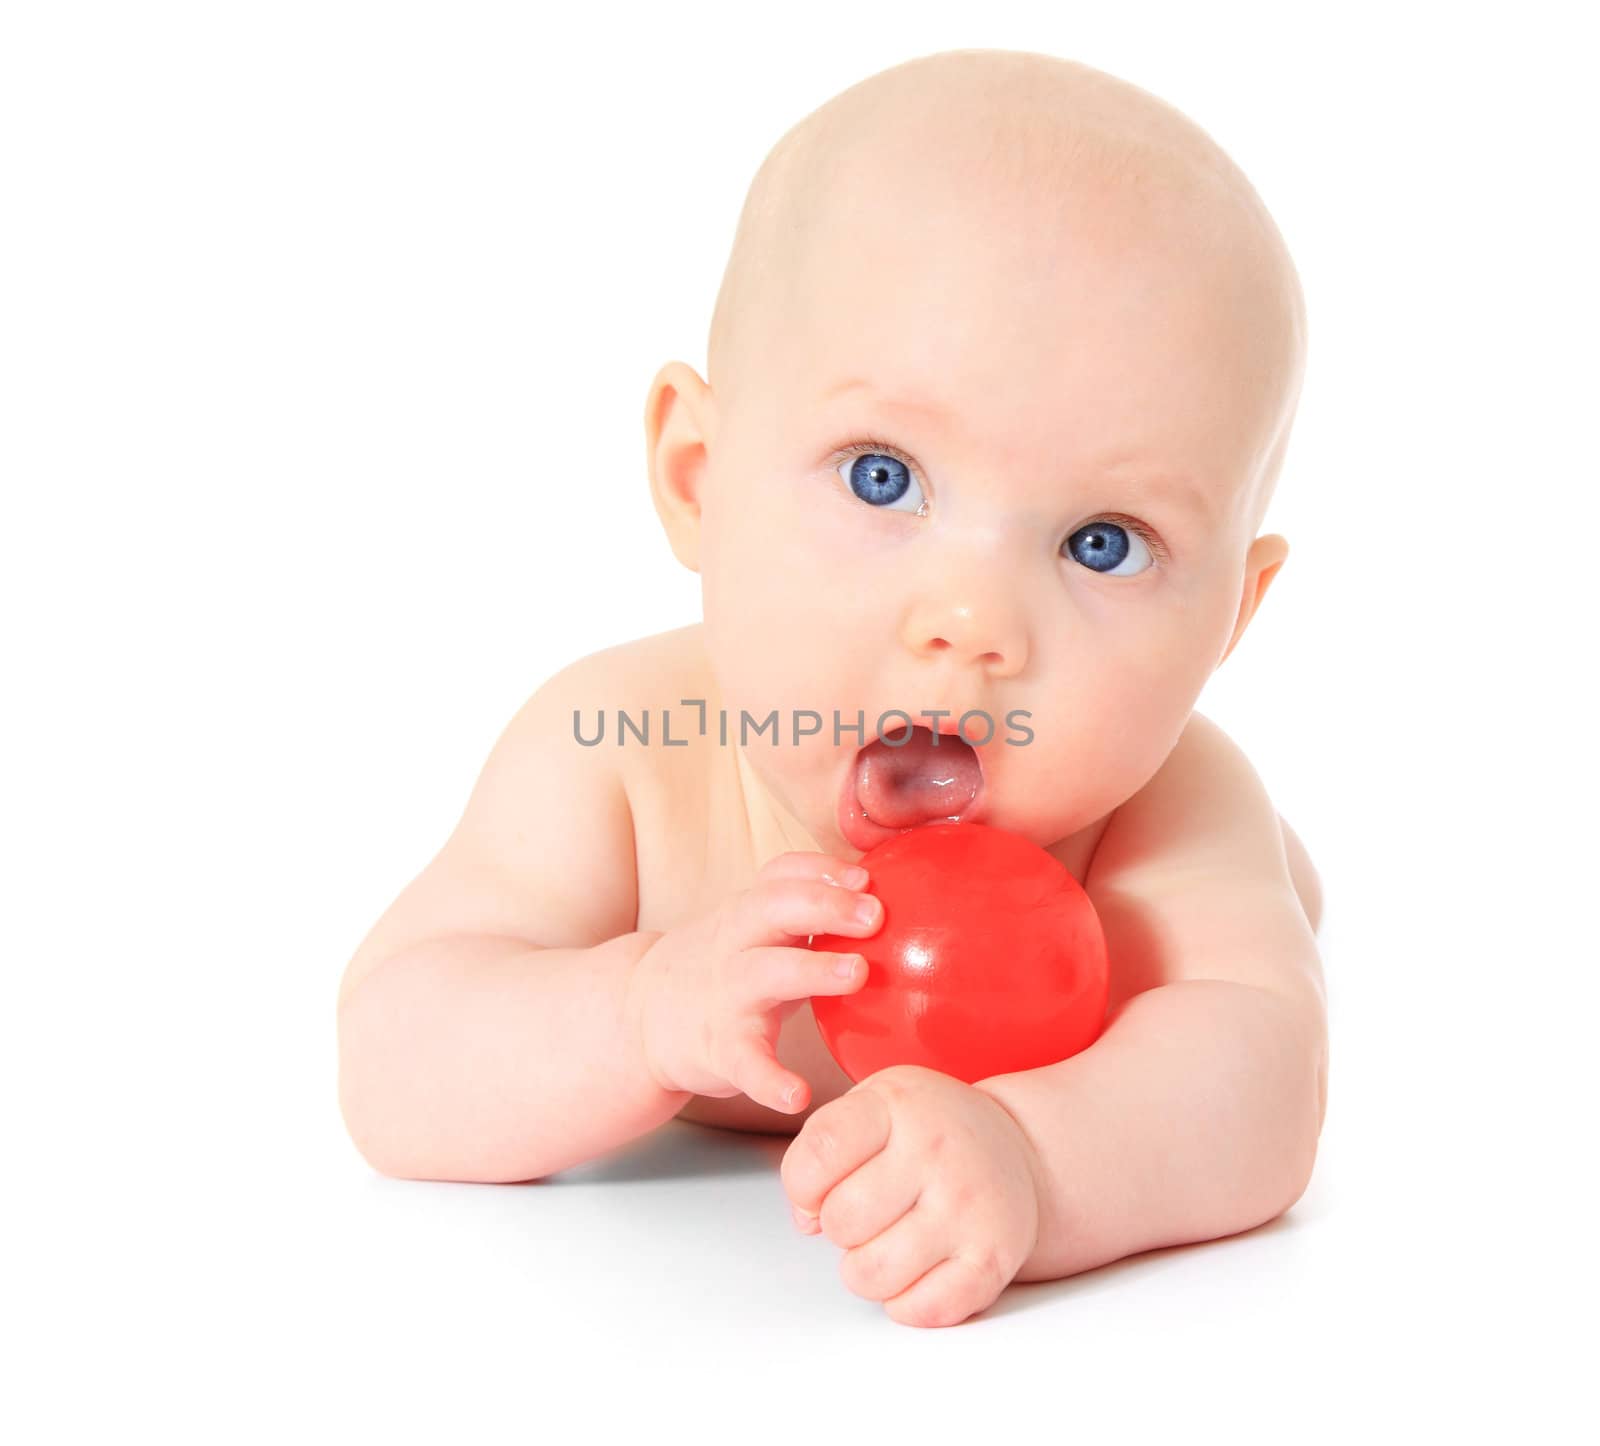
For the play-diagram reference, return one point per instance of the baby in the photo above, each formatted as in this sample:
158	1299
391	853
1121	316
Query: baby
1002	372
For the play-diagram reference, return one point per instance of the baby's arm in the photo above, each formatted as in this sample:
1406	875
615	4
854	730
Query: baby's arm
1196	1114
480	1022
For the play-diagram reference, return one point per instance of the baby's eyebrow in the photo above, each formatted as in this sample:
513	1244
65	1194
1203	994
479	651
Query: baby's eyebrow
906	404
1175	488
1154	482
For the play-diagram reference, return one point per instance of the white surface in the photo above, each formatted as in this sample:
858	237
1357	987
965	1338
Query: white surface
325	334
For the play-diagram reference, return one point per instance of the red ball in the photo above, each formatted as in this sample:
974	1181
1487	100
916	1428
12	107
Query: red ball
990	960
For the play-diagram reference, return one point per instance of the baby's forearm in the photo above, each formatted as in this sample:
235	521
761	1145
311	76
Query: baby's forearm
1195	1115
480	1058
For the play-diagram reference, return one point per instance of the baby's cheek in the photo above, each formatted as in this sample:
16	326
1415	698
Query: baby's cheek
1098	735
798	590
1149	694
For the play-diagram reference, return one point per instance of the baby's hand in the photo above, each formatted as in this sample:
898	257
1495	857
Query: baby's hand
706	1001
929	1184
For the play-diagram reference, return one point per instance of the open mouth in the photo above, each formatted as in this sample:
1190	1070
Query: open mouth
898	782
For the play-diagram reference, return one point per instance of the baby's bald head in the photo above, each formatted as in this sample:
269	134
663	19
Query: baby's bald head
975	163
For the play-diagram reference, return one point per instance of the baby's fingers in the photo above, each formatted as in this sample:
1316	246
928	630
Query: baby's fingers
758	1073
808	864
777	910
769	977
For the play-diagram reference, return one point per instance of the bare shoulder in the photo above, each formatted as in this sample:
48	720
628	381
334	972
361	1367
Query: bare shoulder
544	849
1193	876
645	679
644	664
1205	808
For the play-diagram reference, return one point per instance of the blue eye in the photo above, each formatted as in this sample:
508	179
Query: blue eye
882	481
1106	547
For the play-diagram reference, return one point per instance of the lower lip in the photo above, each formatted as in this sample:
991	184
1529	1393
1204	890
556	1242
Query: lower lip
860	832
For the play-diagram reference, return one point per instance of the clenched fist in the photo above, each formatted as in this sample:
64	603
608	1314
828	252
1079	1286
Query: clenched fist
928	1183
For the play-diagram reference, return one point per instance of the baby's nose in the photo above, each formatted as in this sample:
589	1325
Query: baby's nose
984	633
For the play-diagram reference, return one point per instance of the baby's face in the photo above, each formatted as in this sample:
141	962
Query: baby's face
1012	470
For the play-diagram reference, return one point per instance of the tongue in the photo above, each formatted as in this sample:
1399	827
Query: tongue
903	784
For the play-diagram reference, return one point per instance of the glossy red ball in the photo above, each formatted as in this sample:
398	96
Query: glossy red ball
990	960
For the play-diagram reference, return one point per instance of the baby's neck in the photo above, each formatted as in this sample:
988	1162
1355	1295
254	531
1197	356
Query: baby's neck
773	829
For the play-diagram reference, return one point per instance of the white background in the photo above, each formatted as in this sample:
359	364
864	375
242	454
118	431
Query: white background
325	333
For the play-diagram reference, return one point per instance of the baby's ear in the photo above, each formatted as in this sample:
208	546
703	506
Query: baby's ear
677	414
1261	564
